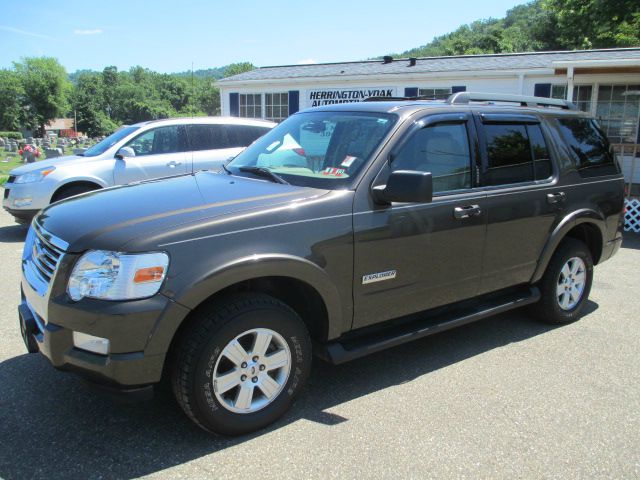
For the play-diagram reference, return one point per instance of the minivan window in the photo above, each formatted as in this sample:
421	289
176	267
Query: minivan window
101	147
158	141
590	148
443	150
244	135
207	137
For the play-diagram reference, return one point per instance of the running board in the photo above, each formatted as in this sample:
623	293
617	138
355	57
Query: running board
341	351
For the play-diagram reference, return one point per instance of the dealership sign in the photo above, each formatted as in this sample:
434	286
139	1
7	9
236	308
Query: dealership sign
347	95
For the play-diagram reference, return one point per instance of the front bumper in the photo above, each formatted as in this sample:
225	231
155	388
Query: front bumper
31	198
139	333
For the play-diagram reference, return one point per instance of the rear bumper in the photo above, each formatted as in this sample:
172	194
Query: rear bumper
611	248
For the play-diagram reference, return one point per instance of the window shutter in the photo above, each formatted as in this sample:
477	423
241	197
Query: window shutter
542	90
294	101
411	92
458	88
234	104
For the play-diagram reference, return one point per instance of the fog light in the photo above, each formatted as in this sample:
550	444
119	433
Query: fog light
91	343
22	202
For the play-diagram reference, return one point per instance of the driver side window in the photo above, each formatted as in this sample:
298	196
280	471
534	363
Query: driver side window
158	141
443	150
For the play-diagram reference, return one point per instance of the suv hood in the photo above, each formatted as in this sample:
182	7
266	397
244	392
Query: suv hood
52	162
107	219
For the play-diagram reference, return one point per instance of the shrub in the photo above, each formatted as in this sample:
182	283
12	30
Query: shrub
14	135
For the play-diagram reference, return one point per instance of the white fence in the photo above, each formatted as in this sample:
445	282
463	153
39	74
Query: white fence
632	215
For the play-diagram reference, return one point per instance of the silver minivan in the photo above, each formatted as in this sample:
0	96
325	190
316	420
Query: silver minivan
147	150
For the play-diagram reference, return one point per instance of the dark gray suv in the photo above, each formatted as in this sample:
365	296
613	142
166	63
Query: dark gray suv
345	230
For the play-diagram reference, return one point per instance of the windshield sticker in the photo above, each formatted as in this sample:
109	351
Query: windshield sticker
348	160
333	171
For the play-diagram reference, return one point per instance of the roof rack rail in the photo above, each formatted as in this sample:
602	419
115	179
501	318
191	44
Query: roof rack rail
523	100
397	99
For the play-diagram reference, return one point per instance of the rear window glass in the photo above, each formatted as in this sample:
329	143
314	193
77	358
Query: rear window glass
590	148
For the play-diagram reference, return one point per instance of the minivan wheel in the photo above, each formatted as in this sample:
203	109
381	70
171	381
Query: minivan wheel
241	363
566	283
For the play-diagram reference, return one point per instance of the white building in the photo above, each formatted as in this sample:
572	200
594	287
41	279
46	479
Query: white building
603	82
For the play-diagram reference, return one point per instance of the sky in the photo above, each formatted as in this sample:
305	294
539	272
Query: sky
167	36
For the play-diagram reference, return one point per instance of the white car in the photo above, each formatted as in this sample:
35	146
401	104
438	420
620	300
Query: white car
147	150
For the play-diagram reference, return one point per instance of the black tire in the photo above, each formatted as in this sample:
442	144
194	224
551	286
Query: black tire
71	191
548	309
198	350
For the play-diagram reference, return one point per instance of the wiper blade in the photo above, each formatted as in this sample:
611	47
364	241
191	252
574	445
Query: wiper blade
224	167
265	173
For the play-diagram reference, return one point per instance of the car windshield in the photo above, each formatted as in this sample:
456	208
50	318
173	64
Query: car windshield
101	147
316	149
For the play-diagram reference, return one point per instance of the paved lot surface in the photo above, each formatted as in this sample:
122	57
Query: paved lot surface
503	398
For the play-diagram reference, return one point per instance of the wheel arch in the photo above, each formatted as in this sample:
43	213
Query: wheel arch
586	225
299	283
94	183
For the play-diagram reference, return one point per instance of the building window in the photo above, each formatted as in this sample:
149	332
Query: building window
437	93
251	105
582	97
559	91
617	112
276	106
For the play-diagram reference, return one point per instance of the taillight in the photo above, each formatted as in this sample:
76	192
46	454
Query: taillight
300	151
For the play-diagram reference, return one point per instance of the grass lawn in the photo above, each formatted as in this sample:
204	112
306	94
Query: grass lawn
9	161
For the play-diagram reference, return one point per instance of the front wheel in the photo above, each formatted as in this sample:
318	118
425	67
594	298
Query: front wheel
241	363
566	283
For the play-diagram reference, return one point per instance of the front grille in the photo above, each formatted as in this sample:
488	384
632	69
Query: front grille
45	257
42	254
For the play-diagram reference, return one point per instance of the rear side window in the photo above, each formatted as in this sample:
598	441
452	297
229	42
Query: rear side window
516	153
244	135
589	146
207	137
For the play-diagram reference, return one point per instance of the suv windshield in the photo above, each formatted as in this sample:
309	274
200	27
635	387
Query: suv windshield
101	147
317	149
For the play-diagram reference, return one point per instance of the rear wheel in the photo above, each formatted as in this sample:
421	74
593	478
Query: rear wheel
566	283
241	363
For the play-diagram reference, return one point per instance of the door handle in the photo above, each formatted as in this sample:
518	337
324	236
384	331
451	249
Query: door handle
467	211
173	164
555	197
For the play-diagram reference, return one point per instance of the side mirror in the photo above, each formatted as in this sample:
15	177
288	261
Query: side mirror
125	152
405	186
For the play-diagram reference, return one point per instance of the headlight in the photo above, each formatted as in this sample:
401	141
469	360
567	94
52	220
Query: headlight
35	176
117	276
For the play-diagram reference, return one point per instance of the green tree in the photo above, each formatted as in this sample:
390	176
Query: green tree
12	101
90	104
237	68
596	23
46	86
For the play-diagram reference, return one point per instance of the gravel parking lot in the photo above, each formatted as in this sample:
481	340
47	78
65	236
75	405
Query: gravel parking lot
506	397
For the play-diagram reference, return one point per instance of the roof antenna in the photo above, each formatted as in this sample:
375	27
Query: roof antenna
387	59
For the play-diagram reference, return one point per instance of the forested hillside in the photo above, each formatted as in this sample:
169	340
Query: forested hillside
543	25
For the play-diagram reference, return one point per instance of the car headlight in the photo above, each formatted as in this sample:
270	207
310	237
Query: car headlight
35	176
117	276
